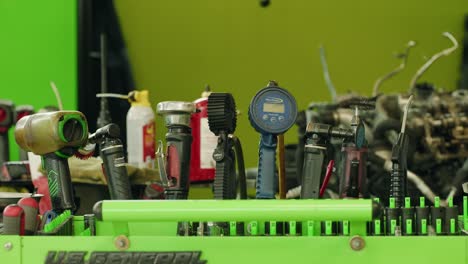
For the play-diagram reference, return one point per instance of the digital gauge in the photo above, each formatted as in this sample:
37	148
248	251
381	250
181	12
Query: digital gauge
272	112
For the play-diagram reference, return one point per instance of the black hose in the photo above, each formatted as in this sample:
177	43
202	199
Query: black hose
240	167
384	126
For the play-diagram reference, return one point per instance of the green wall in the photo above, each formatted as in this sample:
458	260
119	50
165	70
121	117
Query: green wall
176	47
38	44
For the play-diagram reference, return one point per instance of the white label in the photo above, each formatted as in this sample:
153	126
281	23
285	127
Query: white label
208	142
35	163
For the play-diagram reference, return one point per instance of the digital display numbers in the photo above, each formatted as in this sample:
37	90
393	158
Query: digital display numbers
273	108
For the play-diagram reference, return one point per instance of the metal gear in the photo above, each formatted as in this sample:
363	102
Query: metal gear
222	114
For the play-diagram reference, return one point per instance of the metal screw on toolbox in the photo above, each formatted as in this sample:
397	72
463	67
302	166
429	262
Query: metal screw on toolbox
122	242
357	243
8	246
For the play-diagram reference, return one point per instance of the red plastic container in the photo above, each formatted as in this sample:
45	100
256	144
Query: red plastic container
202	164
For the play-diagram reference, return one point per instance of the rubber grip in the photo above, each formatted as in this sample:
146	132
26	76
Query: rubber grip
267	174
13	220
4	148
299	155
351	154
59	180
225	179
312	172
397	185
179	167
31	210
116	173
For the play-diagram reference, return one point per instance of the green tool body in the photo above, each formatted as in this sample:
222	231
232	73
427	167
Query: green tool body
55	136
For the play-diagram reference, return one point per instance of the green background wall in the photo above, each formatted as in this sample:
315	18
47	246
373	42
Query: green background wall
176	47
38	44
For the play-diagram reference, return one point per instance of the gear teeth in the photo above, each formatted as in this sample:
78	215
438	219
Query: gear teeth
222	114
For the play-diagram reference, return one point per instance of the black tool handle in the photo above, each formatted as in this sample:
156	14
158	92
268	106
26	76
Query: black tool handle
301	122
353	171
299	155
314	157
353	190
397	185
59	179
179	143
4	148
398	175
225	179
113	158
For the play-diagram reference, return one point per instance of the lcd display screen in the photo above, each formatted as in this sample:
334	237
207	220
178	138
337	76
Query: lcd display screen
273	108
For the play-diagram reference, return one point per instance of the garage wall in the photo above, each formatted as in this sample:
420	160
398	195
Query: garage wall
176	47
38	44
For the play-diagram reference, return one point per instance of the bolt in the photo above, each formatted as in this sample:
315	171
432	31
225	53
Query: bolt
357	243
122	242
8	246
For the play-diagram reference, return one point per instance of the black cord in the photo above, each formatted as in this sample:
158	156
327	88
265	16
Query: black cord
240	167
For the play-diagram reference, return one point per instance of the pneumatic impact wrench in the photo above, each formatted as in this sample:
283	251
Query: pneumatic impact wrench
55	136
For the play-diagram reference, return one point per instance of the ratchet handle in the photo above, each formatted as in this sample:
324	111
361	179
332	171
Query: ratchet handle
178	164
312	171
59	180
267	174
112	155
4	148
